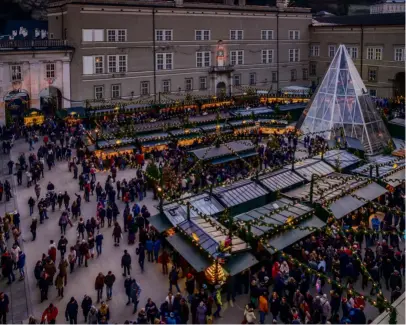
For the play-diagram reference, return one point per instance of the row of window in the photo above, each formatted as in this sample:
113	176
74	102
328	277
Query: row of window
189	84
16	71
120	35
373	53
145	88
165	61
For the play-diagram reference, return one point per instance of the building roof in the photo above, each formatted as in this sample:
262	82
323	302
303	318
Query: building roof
357	20
280	180
237	146
239	192
268	215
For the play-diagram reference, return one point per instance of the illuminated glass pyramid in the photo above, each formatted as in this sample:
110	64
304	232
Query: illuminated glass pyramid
341	101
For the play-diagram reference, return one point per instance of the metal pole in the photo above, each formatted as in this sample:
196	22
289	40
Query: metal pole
377	170
293	160
311	187
188	211
371	168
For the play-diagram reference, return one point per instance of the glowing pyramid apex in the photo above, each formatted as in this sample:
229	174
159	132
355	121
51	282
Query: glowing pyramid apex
341	101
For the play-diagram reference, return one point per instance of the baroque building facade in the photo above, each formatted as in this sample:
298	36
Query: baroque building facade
136	49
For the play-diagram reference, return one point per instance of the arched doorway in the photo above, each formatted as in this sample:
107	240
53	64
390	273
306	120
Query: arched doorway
221	89
17	101
50	100
399	84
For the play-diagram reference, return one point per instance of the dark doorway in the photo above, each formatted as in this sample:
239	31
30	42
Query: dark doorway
50	101
399	84
221	89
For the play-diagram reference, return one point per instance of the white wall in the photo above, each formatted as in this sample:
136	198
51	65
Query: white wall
34	76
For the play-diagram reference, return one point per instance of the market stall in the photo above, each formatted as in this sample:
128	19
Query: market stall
33	117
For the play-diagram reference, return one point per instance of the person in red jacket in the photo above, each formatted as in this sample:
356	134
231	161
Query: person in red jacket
52	251
49	315
275	269
46	140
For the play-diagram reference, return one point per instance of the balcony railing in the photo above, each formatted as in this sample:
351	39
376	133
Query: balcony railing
33	44
223	69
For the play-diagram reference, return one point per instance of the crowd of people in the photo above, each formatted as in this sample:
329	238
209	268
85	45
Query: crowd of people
281	292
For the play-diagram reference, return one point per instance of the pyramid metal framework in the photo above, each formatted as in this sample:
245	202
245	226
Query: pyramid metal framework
341	101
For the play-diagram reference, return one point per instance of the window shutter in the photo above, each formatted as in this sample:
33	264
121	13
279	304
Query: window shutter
87	35
98	35
88	65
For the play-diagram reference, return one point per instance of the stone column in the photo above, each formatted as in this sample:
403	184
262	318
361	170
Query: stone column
3	92
35	84
66	84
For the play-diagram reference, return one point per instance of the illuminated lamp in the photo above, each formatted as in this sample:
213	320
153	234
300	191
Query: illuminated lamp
215	273
195	237
395	165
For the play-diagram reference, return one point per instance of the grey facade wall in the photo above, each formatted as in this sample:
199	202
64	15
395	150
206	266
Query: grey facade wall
386	37
69	20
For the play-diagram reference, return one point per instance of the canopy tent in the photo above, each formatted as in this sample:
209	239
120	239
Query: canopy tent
370	192
395	179
345	205
243	194
310	166
213	127
340	158
206	154
190	253
160	223
341	104
280	180
240	262
285	239
267	214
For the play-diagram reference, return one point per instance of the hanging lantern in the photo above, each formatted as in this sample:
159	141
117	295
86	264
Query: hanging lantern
215	273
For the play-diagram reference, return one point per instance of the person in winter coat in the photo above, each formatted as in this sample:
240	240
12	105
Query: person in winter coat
184	311
86	305
387	270
395	294
21	265
99	285
109	280
4	307
173	279
275	305
151	311
93	316
249	315
71	312
52	251
33	228
201	313
263	307
117	232
325	309
284	310
104	312
59	284
49	315
126	263
395	280
284	269
149	246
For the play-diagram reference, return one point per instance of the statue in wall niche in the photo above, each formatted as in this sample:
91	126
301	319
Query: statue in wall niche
23	32
37	33
44	34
